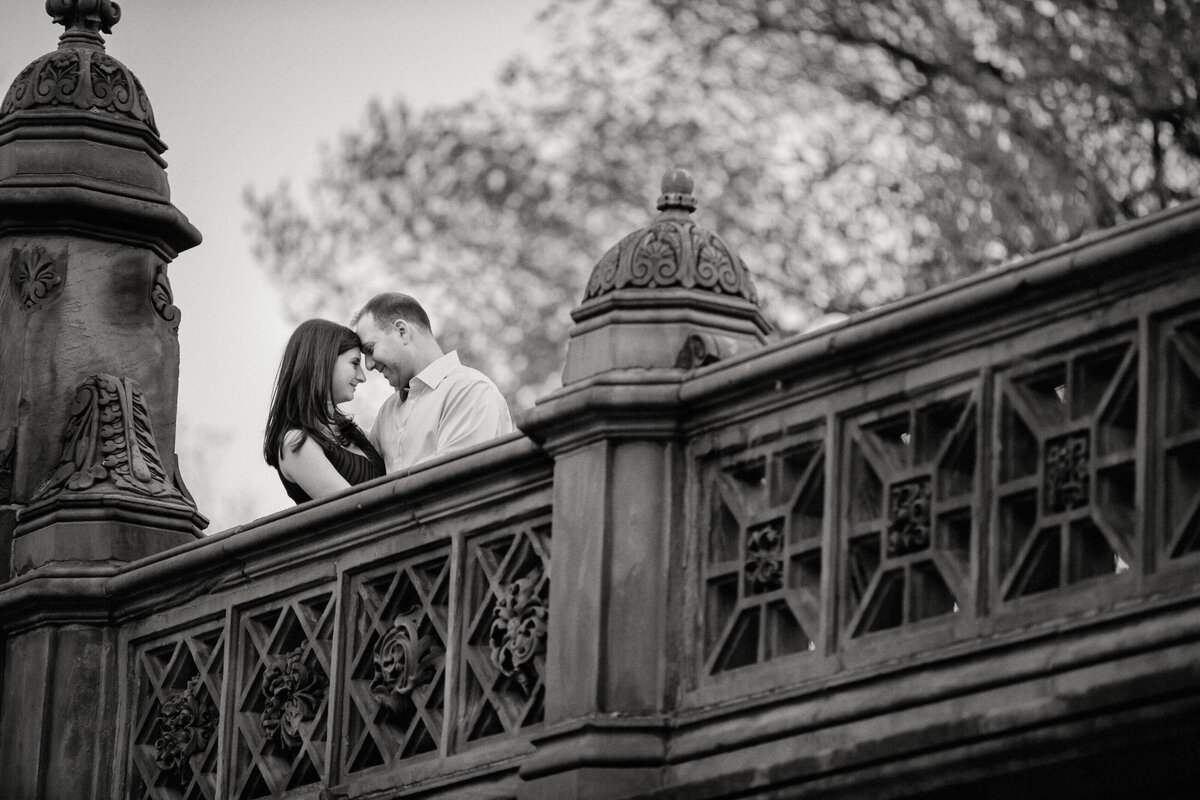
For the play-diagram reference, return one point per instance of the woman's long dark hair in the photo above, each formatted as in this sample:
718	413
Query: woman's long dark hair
303	394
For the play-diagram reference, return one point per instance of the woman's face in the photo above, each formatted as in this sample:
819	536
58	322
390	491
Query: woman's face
347	375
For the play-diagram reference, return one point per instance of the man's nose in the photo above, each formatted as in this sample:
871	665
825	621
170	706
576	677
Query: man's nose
370	362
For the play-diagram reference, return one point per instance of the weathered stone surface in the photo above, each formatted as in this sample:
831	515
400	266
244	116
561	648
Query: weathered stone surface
89	359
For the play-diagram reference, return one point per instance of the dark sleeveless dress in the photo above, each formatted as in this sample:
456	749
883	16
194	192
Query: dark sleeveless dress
351	466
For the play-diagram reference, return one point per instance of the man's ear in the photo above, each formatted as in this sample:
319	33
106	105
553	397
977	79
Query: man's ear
404	329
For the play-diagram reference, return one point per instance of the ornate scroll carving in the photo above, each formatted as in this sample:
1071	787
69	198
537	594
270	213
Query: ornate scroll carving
656	259
1066	484
293	692
404	660
908	517
764	557
109	443
673	251
519	628
36	279
162	299
81	77
605	273
187	723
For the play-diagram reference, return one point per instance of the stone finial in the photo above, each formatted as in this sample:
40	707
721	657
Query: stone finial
672	252
677	191
80	75
84	19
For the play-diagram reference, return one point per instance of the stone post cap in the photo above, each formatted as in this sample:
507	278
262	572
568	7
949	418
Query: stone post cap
672	252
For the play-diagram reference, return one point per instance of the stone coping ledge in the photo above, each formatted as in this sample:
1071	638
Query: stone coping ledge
975	299
228	552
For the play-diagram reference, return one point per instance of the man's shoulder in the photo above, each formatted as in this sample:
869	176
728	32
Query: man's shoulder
463	376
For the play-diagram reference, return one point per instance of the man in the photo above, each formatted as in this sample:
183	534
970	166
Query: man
439	405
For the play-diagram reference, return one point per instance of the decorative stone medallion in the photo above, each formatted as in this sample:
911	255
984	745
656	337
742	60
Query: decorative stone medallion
186	723
518	630
908	517
404	660
293	692
764	557
1066	478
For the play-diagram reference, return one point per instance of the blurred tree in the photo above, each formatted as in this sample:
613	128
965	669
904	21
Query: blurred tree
853	151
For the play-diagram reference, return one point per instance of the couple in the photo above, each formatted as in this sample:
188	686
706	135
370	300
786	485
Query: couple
439	405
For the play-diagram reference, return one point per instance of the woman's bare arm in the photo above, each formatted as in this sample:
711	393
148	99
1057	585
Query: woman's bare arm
308	467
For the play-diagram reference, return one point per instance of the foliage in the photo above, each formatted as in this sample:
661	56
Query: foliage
853	151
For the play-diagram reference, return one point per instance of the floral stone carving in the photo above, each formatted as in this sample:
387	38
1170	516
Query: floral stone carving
518	630
294	692
1067	482
187	725
764	557
908	517
109	444
35	277
404	660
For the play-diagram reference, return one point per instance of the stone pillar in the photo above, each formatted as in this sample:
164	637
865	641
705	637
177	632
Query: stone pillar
665	300
89	343
89	367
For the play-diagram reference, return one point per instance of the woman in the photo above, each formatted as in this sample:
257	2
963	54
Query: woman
317	449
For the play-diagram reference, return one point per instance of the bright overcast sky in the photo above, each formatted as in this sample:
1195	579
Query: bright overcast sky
244	92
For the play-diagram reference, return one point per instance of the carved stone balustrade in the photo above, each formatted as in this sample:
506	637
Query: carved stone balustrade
949	548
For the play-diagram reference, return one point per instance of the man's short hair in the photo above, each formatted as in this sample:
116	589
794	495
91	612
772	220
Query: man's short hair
388	307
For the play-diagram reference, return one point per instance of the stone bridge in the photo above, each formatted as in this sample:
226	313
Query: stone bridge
949	548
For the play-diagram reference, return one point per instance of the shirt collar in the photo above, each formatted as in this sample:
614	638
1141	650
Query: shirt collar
433	374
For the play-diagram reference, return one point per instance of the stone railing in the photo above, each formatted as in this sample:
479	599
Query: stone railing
403	621
898	548
933	522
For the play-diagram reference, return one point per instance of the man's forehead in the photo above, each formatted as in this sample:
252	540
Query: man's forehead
366	328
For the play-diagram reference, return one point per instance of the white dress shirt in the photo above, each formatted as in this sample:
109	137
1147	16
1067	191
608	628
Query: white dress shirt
448	407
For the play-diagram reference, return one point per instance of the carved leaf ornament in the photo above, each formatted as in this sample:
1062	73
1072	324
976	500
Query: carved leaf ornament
764	557
518	630
293	692
404	660
186	725
109	441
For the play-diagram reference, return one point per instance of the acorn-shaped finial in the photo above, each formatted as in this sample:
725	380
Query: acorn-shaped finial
677	191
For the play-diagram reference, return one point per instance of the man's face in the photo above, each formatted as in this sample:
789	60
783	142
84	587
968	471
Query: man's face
387	350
